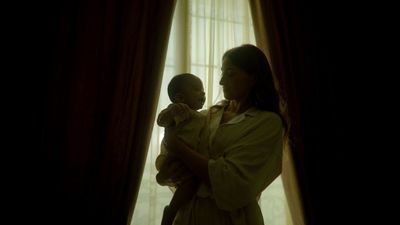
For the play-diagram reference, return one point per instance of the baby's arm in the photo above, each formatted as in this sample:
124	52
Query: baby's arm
184	192
166	118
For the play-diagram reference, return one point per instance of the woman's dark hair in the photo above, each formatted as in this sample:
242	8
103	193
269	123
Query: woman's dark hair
253	61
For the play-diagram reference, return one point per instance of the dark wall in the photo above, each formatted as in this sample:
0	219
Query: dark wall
345	133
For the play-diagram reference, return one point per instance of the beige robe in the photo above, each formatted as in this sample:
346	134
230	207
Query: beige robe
245	157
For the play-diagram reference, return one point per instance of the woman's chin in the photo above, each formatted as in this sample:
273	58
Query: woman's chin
227	96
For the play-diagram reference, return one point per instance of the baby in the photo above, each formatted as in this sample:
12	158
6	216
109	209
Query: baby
186	93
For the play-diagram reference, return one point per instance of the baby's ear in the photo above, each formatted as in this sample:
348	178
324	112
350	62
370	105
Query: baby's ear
179	98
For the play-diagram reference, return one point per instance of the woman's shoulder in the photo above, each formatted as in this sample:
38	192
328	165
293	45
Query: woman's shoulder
262	113
266	116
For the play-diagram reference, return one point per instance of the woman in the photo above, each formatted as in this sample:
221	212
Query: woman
243	138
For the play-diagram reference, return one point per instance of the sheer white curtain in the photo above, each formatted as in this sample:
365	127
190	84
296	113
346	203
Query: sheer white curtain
202	31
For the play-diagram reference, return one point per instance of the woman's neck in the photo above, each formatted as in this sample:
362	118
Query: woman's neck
238	107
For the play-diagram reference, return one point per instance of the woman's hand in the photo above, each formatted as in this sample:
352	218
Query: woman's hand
173	173
193	160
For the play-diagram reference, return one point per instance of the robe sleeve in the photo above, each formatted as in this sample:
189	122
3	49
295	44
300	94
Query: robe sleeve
247	166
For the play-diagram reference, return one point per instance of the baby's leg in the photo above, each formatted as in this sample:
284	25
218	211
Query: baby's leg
182	195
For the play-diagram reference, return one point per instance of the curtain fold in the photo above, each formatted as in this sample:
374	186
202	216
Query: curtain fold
278	33
103	86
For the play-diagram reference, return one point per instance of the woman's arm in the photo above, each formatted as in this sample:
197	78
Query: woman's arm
195	161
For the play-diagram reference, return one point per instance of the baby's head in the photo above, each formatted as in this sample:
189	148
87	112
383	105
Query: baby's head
187	88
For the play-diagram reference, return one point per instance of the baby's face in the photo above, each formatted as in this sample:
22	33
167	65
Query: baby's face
194	95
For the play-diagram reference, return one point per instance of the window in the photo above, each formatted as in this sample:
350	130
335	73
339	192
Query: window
202	31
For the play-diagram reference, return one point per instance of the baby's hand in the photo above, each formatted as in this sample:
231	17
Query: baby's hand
180	109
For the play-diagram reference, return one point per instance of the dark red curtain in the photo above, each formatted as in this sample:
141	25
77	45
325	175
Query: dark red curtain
100	64
285	30
330	59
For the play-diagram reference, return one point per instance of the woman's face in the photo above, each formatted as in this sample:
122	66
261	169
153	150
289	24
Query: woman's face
236	83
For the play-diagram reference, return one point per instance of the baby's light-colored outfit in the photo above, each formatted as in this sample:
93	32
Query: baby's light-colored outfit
189	130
